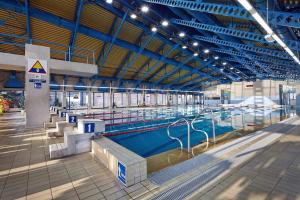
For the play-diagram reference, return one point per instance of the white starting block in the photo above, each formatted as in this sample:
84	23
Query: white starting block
61	127
73	118
77	141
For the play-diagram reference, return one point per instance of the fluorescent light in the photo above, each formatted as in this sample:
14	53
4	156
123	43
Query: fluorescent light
267	28
206	51
153	29
196	54
262	22
195	44
109	1
144	8
224	63
216	57
165	23
246	4
231	67
237	72
184	47
181	34
133	16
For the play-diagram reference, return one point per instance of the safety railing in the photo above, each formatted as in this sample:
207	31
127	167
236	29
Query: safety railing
176	138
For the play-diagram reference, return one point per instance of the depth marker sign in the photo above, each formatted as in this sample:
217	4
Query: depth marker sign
37	66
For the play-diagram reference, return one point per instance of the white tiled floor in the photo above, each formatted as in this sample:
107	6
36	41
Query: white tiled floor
26	172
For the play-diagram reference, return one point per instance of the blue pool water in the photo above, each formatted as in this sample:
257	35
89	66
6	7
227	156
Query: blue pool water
155	141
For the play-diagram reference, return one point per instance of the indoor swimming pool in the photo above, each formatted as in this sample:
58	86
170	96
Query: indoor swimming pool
145	131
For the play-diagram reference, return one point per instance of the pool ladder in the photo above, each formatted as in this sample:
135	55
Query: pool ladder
189	125
176	138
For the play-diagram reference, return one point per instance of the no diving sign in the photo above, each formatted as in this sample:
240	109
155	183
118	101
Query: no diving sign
37	66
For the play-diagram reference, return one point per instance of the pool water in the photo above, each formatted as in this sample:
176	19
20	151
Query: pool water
149	136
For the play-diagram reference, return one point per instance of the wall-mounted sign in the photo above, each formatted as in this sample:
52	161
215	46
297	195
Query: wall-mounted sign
122	173
37	85
37	66
72	119
248	86
63	114
89	127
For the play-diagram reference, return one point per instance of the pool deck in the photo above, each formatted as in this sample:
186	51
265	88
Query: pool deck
263	165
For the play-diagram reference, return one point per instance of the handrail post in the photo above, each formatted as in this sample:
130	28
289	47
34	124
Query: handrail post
213	125
189	138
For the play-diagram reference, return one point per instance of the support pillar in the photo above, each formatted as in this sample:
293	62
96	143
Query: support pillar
128	99
110	96
37	90
64	99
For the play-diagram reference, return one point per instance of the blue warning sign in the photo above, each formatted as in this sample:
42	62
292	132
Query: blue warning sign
122	173
37	68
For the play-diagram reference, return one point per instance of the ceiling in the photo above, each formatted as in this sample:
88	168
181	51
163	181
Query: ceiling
231	45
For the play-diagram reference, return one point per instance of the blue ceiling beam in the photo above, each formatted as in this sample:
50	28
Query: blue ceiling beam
163	67
194	80
113	40
128	55
273	66
247	47
136	56
147	62
198	16
172	72
79	9
112	28
157	64
287	19
255	57
139	24
28	25
60	22
232	32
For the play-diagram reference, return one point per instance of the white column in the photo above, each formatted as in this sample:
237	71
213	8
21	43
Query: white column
37	90
129	99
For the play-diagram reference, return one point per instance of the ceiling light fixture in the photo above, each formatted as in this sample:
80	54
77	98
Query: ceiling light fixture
181	34
195	44
224	63
184	47
196	54
165	23
144	9
133	16
267	28
206	51
153	29
216	57
109	1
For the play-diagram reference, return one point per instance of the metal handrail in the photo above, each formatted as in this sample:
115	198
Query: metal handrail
175	138
198	130
212	121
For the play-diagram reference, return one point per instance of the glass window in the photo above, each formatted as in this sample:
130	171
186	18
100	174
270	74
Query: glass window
148	100
98	100
133	99
106	100
140	98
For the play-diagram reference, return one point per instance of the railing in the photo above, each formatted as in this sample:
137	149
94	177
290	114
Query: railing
212	121
198	130
175	138
58	51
